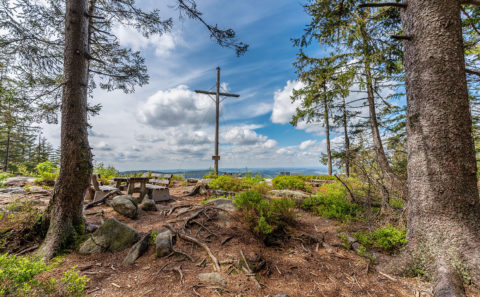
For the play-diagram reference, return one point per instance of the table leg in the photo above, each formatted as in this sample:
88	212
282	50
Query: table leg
117	184
131	188
143	190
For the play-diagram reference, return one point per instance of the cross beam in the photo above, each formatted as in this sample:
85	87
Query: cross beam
217	94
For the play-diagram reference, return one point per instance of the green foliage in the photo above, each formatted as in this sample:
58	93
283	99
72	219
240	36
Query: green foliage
153	238
3	177
211	174
226	183
265	217
19	214
387	238
331	202
178	177
291	182
17	274
74	284
106	172
47	172
205	201
397	202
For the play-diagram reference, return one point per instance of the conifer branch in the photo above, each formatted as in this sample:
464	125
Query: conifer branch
470	71
401	37
471	2
401	5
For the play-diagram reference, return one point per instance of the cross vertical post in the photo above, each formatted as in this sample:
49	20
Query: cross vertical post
217	94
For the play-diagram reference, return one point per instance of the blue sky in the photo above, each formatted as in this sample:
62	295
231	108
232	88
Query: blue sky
165	125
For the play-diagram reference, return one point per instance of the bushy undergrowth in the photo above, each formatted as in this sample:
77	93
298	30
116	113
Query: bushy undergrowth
47	173
331	202
236	184
18	277
266	218
387	238
3	177
106	172
291	182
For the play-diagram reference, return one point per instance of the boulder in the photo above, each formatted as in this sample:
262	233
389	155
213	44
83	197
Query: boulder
223	203
281	295
297	196
137	250
20	181
164	242
112	236
148	204
192	180
212	277
224	217
125	205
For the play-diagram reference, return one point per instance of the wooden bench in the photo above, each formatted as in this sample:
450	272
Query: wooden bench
160	179
96	190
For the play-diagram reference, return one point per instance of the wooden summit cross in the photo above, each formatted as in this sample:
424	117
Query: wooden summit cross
217	94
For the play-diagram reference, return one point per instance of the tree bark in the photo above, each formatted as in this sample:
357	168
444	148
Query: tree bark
64	213
327	128
443	202
347	139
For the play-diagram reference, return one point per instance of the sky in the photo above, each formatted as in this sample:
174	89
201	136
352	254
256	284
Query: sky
166	125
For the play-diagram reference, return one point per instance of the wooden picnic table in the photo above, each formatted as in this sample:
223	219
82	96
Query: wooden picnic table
131	181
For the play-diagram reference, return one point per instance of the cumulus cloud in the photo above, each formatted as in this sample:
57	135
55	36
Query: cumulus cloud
283	108
307	144
103	146
176	107
163	44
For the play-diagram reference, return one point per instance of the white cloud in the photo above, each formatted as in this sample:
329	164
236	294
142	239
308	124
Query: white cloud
307	144
176	107
283	108
163	45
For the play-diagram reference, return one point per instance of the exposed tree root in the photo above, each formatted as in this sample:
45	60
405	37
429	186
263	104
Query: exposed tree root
448	282
249	271
103	200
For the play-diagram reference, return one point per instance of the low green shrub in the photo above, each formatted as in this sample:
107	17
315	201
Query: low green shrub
177	177
47	173
291	182
106	172
74	284
3	177
331	202
211	174
227	183
265	218
208	199
17	274
387	238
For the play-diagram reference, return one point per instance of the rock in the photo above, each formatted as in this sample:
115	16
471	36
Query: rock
148	204
269	181
164	242
224	217
39	190
212	277
137	250
223	203
281	295
298	196
19	181
125	206
192	180
14	190
112	236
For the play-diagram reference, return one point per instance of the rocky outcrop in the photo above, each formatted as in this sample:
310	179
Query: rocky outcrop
148	204
138	249
164	242
112	236
20	181
212	277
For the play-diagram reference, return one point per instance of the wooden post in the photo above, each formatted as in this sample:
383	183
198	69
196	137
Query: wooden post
217	94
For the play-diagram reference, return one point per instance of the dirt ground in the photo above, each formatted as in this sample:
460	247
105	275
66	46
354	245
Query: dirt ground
297	266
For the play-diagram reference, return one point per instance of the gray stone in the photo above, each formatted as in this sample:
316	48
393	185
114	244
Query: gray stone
14	190
160	194
223	203
212	277
148	204
192	180
164	241
125	206
288	194
281	295
39	190
137	250
112	236
20	181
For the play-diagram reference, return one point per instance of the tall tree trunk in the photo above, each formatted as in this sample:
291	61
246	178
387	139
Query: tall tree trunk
443	204
393	182
347	139
7	155
64	213
327	128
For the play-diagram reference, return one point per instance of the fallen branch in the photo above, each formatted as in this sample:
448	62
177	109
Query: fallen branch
346	187
177	207
249	271
185	237
179	270
184	254
101	201
24	251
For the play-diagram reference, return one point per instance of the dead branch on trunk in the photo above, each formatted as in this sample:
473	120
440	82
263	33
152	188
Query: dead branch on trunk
346	187
401	5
